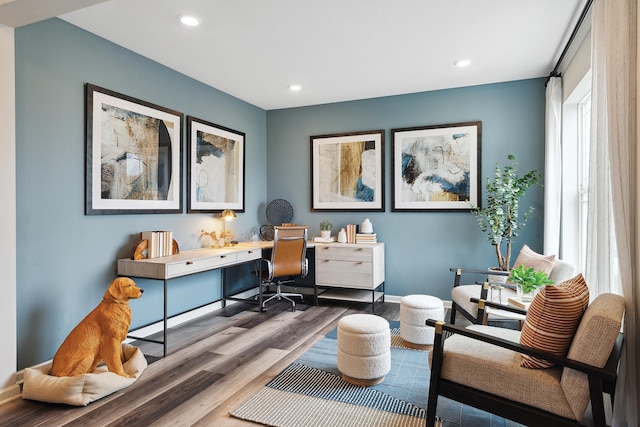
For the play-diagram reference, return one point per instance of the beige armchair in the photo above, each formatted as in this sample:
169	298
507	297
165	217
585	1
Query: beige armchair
481	366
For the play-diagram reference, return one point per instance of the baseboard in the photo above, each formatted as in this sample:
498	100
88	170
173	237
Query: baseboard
10	393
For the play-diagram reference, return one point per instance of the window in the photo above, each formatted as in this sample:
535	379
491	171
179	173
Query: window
582	171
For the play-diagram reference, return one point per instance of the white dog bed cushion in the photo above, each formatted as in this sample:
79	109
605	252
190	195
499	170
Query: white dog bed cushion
81	390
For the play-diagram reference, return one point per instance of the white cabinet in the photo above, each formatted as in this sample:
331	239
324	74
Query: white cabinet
348	271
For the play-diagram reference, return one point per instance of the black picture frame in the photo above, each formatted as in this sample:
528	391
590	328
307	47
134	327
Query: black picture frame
347	172
216	168
436	168
133	152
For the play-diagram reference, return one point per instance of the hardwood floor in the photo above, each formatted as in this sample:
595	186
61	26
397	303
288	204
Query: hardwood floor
215	362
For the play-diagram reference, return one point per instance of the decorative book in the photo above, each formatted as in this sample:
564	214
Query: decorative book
517	302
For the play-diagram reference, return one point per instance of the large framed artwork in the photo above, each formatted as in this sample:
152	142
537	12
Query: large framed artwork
436	168
347	171
133	155
216	167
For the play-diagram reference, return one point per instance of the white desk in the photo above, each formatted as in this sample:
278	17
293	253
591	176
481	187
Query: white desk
190	262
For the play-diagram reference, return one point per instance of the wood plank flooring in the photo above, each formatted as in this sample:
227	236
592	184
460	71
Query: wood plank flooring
215	362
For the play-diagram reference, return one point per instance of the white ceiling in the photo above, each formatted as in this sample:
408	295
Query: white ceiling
337	50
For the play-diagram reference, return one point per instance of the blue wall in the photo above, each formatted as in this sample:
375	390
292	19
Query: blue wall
66	259
420	247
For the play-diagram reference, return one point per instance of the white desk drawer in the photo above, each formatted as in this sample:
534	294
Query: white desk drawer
353	274
344	253
190	266
249	254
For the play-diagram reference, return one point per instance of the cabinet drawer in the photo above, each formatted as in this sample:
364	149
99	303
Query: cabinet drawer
197	265
352	274
249	254
344	253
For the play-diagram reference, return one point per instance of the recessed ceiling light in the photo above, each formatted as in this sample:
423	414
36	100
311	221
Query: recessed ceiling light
295	88
190	20
462	63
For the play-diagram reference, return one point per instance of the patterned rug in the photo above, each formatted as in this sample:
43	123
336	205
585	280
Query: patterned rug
302	396
311	392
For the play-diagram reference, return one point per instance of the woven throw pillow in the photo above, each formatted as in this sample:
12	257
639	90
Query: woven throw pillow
553	318
532	259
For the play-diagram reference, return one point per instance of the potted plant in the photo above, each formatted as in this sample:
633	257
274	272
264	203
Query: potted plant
325	229
528	281
500	219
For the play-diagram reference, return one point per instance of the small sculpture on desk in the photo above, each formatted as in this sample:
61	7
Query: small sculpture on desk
212	234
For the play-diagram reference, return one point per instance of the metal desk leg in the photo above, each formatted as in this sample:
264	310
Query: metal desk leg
164	341
224	287
260	298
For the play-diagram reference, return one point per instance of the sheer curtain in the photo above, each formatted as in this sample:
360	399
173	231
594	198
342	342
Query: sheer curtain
553	166
613	202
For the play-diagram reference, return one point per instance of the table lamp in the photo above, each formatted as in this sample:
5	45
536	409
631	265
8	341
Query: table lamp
227	215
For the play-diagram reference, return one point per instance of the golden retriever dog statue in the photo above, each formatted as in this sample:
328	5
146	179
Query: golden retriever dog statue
99	336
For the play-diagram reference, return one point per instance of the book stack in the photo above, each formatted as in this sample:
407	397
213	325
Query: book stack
159	243
517	302
366	238
351	233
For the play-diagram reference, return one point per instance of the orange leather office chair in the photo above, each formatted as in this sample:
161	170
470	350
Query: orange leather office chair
288	260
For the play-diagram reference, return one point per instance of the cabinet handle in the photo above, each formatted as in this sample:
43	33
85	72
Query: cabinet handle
223	256
250	252
189	262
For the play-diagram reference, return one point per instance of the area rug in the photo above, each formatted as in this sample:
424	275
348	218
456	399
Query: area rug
311	392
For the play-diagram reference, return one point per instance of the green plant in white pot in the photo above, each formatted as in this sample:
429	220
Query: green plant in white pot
501	219
325	229
528	281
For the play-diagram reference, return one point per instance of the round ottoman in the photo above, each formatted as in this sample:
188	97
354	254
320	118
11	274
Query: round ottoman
414	311
364	349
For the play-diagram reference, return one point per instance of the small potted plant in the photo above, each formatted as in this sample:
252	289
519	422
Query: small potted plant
528	281
500	219
325	229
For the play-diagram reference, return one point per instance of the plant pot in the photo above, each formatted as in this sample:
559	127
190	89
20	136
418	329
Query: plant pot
325	234
497	278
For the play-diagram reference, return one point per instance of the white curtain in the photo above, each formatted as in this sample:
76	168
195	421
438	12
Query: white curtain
613	197
553	167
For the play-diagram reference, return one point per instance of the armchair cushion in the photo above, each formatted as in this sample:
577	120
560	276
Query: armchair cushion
552	319
592	345
532	259
469	362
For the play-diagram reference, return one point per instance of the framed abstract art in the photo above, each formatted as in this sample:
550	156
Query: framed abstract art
436	168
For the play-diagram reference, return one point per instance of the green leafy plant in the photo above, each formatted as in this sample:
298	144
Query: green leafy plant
528	278
501	219
326	225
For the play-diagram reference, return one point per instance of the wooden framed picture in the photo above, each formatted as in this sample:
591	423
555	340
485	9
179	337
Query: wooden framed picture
216	167
133	155
436	168
347	171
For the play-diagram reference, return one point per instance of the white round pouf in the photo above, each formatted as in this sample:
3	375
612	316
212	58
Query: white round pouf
414	311
364	348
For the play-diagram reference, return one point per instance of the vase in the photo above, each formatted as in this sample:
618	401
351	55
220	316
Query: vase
342	236
366	227
525	296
